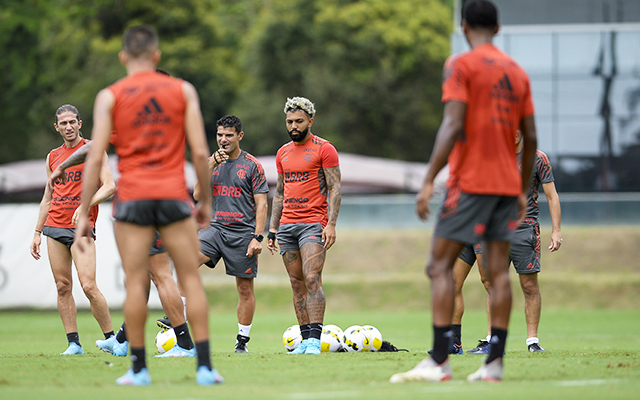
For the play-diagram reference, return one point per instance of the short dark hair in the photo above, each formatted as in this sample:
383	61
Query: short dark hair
65	108
140	40
480	14
230	121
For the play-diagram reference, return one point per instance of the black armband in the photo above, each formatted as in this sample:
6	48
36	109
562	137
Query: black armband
271	235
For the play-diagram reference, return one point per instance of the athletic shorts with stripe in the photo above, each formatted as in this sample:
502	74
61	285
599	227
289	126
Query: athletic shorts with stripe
471	218
291	237
469	253
63	235
525	249
217	243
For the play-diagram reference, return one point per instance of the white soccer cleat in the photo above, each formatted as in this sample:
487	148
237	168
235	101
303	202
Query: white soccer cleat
426	370
491	372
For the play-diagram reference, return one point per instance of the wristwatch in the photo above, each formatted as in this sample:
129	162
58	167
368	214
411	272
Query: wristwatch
259	238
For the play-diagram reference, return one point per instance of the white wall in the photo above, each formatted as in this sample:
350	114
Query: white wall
25	282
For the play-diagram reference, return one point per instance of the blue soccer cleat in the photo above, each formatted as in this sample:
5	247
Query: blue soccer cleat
207	377
142	378
73	349
177	351
313	347
112	346
453	349
301	348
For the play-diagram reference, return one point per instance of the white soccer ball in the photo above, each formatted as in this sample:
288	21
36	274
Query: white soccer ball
331	339
375	335
291	337
165	340
357	339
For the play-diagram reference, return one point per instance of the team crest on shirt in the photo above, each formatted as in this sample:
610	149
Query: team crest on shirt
308	157
242	174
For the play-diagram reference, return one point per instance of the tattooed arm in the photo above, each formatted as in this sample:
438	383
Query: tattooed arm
76	158
334	198
276	214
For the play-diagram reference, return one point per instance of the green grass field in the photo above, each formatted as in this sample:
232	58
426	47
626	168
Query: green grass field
590	326
591	355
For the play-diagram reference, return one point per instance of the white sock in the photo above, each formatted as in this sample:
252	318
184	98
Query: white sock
488	337
532	340
184	304
244	330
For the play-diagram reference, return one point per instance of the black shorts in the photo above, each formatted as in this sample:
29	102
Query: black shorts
217	243
471	218
65	236
151	212
156	246
525	249
469	253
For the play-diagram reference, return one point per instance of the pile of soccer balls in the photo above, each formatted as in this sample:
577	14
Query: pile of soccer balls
355	338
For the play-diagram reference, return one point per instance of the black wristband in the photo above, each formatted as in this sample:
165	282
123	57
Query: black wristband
271	235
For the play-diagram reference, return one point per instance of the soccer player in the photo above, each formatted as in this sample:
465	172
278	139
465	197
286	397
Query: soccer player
486	98
154	116
304	215
525	247
57	219
239	189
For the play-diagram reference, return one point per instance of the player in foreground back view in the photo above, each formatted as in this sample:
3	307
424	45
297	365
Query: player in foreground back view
154	116
57	219
487	98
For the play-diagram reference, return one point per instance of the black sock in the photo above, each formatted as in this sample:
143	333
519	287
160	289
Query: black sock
121	336
498	341
457	334
73	337
305	330
204	358
107	335
139	359
441	338
183	337
315	331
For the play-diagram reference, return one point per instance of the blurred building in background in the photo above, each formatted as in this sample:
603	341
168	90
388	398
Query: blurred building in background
583	58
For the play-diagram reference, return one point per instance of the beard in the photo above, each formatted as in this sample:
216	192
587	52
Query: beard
297	136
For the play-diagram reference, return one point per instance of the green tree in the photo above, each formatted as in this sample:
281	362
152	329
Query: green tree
372	67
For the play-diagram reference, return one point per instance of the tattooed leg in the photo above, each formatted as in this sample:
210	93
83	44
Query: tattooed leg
313	255
293	265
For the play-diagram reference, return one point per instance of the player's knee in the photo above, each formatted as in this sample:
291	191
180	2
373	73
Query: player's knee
63	286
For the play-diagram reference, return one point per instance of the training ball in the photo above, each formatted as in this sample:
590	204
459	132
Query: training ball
165	340
375	335
357	339
331	339
291	337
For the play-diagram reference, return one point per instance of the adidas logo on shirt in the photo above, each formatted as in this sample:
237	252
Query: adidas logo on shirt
151	113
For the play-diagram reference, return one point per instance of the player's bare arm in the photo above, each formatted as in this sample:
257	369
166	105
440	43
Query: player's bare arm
45	204
102	127
334	198
530	144
554	210
218	157
276	214
449	131
197	141
106	190
255	247
76	158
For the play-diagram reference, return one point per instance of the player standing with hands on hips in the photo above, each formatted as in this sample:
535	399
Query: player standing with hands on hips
486	97
304	215
154	117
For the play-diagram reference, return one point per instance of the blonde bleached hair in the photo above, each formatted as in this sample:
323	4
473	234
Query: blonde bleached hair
300	103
